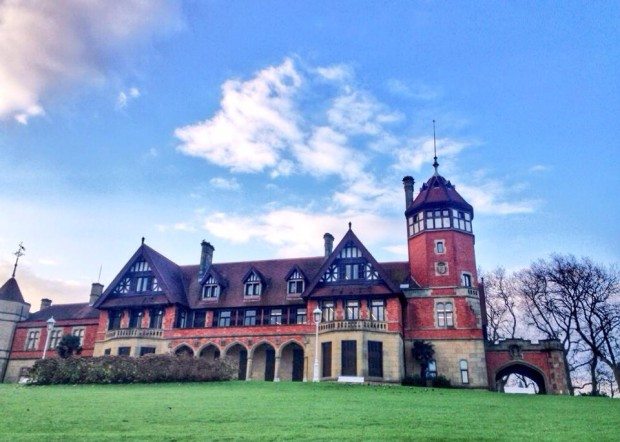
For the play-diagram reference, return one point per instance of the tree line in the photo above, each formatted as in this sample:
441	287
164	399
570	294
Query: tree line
575	301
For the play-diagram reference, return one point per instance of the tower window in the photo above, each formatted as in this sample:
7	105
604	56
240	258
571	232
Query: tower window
438	219
440	247
461	220
445	316
466	280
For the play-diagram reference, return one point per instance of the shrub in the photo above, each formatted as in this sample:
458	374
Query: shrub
415	380
441	382
124	370
68	346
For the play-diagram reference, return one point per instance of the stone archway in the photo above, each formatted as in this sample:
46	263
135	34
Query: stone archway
523	369
239	354
184	351
263	362
291	367
210	352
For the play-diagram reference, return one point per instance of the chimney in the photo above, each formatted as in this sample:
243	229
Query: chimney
45	303
408	183
95	291
329	244
206	256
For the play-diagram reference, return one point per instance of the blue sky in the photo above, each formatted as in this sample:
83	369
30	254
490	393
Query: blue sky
259	126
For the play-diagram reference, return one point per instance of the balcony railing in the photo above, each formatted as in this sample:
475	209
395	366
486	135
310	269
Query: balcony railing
135	333
362	325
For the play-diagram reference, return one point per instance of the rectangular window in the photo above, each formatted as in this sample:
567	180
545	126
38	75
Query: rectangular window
377	310
275	317
147	351
198	318
182	316
328	311
326	357
249	317
210	291
55	337
135	319
431	370
107	351
375	359
352	311
295	287
300	316
80	333
114	322
445	316
464	372
124	351
223	319
348	362
156	318
142	284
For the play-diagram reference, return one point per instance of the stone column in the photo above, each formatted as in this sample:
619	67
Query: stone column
276	377
248	369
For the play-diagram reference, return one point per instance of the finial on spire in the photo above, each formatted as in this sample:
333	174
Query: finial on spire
349	225
20	252
435	163
143	240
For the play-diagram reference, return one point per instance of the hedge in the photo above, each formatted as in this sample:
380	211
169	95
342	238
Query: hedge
126	370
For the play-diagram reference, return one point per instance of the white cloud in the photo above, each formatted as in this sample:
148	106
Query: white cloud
492	197
416	91
125	96
419	151
48	46
255	123
225	184
358	112
539	168
338	72
294	231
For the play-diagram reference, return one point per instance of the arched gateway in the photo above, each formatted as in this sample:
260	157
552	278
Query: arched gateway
543	363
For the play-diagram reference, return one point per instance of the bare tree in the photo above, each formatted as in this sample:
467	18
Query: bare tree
501	305
576	301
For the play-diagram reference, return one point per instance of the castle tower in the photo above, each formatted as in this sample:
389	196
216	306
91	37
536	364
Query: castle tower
13	309
443	306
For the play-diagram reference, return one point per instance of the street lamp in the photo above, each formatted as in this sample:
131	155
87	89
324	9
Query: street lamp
50	326
317	320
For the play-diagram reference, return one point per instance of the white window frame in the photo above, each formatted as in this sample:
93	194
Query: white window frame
464	368
75	331
444	313
443	244
32	344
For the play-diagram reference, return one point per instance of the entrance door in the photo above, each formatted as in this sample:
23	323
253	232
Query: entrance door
326	352
375	359
298	364
349	358
270	364
243	363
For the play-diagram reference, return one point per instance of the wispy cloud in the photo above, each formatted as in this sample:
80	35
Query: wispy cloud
539	168
224	183
46	47
124	97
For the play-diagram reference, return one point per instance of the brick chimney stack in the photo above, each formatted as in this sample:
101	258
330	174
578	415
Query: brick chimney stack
95	292
45	303
408	183
329	244
206	256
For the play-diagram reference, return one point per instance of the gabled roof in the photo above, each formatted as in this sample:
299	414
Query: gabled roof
62	312
10	292
294	269
168	274
385	285
438	192
211	271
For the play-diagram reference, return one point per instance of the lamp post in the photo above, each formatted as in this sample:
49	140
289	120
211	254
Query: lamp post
317	320
50	326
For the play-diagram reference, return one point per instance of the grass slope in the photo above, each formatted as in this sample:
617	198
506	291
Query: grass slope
259	410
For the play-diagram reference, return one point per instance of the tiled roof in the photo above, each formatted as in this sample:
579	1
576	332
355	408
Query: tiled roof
63	312
438	192
10	292
273	271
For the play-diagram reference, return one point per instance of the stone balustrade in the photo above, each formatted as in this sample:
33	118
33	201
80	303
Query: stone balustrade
134	333
353	325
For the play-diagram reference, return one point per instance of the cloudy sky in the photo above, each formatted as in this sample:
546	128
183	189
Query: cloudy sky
259	126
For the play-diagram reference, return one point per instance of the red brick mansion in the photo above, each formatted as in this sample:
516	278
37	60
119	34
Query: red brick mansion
263	312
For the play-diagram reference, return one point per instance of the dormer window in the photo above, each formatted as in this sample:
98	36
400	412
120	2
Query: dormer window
295	283
253	285
210	289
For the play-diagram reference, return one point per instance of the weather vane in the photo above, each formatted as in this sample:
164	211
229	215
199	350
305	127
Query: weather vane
20	252
435	164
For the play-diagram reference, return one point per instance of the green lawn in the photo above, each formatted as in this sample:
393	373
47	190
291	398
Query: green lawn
259	410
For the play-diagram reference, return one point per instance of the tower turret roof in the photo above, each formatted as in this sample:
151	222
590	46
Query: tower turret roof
438	192
10	292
